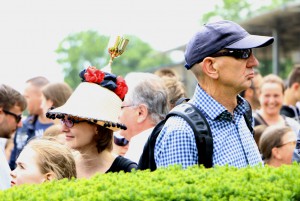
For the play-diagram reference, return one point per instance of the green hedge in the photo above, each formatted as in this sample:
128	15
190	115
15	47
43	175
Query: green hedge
173	183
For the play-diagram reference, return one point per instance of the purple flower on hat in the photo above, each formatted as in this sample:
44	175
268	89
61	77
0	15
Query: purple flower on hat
104	79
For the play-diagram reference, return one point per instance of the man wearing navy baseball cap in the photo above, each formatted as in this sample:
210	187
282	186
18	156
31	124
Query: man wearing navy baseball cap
221	58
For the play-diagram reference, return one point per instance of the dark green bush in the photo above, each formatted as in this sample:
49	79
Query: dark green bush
194	183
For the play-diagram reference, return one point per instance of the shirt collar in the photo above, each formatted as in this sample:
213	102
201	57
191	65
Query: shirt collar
211	107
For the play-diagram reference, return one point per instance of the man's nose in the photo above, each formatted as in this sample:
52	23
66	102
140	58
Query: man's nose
252	61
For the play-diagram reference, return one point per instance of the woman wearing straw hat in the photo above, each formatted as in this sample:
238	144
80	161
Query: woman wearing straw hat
89	118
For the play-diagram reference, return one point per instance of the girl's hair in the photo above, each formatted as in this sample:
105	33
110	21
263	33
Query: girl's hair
104	139
58	93
271	138
175	89
258	130
168	72
53	157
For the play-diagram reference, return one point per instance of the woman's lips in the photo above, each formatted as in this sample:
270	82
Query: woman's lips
69	137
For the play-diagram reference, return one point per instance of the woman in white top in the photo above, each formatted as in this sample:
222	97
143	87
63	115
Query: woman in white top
271	100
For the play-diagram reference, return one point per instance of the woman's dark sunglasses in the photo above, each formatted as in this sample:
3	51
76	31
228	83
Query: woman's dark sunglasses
17	117
236	53
120	141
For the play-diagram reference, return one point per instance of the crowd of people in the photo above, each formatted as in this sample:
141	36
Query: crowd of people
104	123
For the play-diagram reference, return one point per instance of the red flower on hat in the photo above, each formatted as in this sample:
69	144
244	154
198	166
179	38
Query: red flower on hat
92	74
122	88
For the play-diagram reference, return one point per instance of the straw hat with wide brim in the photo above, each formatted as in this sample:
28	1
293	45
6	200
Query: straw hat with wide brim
94	103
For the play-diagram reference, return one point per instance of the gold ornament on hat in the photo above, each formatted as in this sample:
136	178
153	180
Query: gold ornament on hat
116	50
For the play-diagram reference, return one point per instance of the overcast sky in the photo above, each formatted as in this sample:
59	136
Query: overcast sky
32	29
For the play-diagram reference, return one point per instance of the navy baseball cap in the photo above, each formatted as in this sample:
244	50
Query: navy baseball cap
213	37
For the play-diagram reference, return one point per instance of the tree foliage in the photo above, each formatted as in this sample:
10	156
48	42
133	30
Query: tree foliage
83	49
228	9
78	50
237	10
138	56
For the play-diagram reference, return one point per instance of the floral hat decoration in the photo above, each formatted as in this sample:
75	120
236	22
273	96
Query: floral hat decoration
97	99
110	81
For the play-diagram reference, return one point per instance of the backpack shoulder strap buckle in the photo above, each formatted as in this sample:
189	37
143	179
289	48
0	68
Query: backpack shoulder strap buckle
193	116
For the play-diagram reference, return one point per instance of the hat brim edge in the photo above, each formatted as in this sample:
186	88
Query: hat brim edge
251	41
100	122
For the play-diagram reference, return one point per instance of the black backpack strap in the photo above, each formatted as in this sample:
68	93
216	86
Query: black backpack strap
248	117
181	100
200	127
122	163
147	158
203	137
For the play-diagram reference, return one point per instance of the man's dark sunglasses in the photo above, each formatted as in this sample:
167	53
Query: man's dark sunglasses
236	53
17	117
120	141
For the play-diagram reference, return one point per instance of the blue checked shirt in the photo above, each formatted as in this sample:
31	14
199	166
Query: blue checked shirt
233	143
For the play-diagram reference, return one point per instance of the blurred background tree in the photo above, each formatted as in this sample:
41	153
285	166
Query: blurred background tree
80	50
237	10
89	48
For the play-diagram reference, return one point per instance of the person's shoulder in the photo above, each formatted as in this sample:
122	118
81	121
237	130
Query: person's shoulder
176	128
287	111
176	123
27	123
125	164
30	120
258	119
292	123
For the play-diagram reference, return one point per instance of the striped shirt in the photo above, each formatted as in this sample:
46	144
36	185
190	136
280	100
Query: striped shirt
233	143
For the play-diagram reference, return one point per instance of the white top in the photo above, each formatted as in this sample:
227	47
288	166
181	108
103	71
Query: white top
136	145
293	124
4	172
3	143
298	104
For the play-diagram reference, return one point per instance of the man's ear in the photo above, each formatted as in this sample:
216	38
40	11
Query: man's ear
2	116
275	153
142	113
210	67
296	86
49	176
